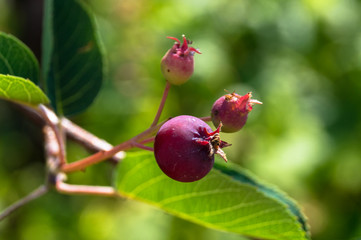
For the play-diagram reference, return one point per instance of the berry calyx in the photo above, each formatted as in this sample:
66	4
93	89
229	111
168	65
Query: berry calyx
184	148
232	110
177	65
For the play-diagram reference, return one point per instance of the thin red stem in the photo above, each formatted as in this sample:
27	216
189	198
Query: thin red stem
148	140
206	119
141	146
95	158
103	155
161	105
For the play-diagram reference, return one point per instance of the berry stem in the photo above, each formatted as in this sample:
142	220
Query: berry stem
95	158
141	146
161	105
206	119
148	140
105	154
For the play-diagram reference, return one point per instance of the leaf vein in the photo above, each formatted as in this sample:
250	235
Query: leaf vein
197	194
250	216
224	210
7	64
146	184
4	93
133	170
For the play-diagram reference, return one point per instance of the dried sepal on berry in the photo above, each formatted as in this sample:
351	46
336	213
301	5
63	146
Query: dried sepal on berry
215	143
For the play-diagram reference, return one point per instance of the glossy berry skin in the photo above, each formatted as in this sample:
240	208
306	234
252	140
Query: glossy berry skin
232	110
177	65
184	148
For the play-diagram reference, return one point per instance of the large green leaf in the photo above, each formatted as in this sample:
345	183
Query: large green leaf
21	90
216	201
246	177
72	56
17	59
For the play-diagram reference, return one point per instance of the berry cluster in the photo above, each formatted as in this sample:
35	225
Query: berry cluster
184	146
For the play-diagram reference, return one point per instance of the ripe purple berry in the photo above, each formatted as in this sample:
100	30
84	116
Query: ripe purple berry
184	148
232	110
177	64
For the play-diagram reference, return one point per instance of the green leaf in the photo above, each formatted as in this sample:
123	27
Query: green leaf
247	177
217	201
72	56
17	59
21	90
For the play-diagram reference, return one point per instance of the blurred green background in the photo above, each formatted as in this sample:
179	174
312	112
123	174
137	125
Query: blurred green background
302	59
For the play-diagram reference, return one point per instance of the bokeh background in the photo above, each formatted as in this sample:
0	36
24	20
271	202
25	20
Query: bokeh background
301	58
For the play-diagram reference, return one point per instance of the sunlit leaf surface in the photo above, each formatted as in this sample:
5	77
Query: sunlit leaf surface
21	90
217	201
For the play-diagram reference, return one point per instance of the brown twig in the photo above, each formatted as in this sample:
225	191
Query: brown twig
40	191
88	140
103	155
73	131
85	190
56	160
52	150
53	122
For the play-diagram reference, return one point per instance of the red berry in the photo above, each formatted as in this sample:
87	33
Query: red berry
184	148
232	111
177	64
